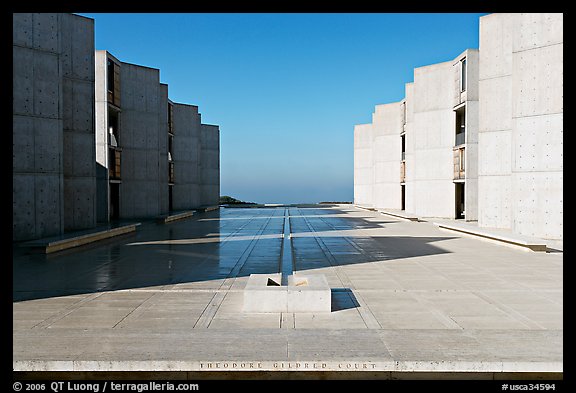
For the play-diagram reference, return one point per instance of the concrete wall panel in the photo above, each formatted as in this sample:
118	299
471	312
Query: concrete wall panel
433	87
434	190
494	153
46	32
538	143
23	29
80	203
46	86
495	105
22	144
538	206
363	165
48	141
538	81
23	80
79	154
386	155
48	204
81	94
495	201
23	207
496	40
81	47
534	30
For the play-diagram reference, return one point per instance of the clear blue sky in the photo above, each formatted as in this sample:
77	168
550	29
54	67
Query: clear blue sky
286	89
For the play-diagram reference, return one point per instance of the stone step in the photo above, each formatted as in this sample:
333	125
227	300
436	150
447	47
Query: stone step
174	217
526	242
75	239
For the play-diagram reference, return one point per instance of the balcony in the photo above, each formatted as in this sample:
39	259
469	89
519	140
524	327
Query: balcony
459	161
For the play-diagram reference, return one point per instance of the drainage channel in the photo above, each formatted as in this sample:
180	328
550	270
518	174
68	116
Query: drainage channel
286	261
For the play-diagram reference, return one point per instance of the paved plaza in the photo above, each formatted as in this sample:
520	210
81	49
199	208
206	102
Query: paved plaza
406	296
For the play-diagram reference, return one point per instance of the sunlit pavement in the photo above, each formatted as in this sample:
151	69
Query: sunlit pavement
406	296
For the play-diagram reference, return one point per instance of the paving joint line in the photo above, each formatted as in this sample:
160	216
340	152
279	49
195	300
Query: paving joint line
212	307
365	313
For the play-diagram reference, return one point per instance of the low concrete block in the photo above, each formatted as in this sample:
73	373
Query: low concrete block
263	293
309	294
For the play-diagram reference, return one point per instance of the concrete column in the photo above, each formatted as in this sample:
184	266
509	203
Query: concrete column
77	65
433	140
387	155
142	129
209	164
186	155
409	140
363	165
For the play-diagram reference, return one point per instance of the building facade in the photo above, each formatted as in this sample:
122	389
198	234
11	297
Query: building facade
132	139
53	161
521	124
481	135
96	139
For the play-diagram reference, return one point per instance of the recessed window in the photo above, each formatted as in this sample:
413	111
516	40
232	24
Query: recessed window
110	76
463	74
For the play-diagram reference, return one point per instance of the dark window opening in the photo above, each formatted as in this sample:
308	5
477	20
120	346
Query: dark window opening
403	198
110	72
460	126
460	195
114	201
170	118
463	75
403	147
113	128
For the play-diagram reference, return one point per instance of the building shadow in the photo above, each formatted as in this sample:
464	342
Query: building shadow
191	251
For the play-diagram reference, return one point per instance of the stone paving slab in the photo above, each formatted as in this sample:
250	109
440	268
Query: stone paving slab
406	296
382	350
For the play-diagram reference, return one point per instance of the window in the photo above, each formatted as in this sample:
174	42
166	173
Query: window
463	74
461	159
403	147
170	118
110	72
460	126
113	130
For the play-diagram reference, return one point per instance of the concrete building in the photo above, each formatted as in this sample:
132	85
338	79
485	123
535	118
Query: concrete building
521	124
96	139
417	145
132	139
196	160
480	136
53	165
154	155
